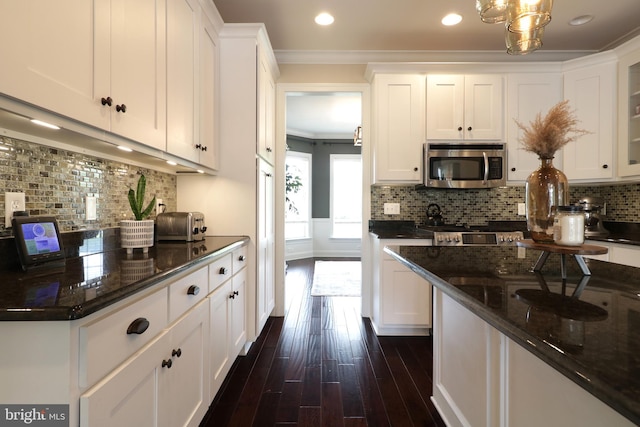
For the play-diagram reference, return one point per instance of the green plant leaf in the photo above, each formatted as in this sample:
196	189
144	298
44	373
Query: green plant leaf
132	202
142	186
145	214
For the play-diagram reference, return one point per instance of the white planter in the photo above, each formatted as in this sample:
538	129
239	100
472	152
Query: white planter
136	234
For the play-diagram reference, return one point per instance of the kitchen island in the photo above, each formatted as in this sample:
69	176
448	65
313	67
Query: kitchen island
586	330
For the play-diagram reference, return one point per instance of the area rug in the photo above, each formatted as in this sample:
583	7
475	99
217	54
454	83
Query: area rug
336	278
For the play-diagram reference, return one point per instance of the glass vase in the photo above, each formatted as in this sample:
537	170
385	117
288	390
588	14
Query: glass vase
546	188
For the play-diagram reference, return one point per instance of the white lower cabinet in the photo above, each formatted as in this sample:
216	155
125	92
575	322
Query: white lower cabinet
401	298
618	253
161	385
483	378
227	317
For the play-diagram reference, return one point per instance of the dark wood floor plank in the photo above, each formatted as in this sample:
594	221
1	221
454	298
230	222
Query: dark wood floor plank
372	402
350	391
332	414
289	405
265	415
310	416
330	371
275	378
311	387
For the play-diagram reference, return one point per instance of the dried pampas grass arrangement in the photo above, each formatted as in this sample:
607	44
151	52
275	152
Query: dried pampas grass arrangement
546	136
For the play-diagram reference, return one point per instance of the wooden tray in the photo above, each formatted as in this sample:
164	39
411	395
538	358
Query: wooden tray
560	249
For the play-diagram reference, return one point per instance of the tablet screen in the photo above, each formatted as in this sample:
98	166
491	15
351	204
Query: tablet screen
38	241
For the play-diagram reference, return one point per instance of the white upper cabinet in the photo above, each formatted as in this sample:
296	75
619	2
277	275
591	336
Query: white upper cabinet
629	110
266	108
183	23
591	92
84	60
527	96
465	107
192	59
208	114
398	127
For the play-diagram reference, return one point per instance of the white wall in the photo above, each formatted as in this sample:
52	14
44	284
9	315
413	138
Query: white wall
321	245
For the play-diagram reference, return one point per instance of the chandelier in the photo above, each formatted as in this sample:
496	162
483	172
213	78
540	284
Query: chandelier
524	21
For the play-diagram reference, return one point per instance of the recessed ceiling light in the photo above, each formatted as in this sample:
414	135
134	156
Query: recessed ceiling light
45	124
123	148
451	19
581	20
324	19
172	163
199	171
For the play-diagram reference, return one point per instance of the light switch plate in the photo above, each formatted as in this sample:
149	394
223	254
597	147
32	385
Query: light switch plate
392	208
522	209
90	208
12	202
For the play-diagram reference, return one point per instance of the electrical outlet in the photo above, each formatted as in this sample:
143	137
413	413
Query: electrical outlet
159	206
522	209
12	202
392	208
91	210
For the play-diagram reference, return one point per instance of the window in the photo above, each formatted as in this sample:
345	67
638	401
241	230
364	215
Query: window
298	196
346	195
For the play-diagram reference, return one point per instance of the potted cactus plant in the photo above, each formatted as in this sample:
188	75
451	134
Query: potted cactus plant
138	233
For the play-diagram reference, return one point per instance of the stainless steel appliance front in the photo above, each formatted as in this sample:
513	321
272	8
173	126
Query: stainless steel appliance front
468	165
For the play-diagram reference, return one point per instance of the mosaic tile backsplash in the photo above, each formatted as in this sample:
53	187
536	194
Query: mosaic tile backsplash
56	182
476	207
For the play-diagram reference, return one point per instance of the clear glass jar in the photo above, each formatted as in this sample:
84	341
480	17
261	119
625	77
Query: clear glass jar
568	226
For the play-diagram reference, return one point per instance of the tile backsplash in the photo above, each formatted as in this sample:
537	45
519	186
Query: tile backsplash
56	182
478	206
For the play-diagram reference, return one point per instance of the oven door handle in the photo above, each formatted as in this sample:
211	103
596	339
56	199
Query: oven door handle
486	167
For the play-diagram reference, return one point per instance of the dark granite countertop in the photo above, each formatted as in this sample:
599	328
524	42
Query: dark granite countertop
592	338
97	274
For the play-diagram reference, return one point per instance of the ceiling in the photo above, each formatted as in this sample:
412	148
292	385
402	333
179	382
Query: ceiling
414	25
410	26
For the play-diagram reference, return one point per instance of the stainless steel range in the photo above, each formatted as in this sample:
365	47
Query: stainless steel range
463	235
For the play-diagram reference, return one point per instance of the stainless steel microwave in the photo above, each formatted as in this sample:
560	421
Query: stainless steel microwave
466	165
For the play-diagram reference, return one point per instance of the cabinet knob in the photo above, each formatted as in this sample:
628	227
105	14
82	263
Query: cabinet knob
241	258
232	296
199	146
193	290
605	166
268	175
106	101
121	108
415	169
236	293
176	353
204	148
459	128
223	270
138	326
469	128
269	149
513	169
167	363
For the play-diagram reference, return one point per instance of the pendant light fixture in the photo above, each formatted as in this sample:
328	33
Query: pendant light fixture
524	21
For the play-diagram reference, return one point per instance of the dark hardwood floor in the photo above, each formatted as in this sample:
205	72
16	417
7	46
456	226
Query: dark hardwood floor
322	365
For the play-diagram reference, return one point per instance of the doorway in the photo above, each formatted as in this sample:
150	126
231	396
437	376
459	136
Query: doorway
297	124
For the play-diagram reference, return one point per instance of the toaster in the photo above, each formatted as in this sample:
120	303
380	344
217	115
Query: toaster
185	226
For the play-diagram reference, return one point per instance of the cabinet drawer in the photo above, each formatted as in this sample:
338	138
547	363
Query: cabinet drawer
187	292
105	342
239	259
220	271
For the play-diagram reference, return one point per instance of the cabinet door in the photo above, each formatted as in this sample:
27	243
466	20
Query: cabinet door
238	326
219	333
138	70
266	110
591	93
183	23
527	96
483	112
128	397
445	107
265	297
629	114
183	399
406	297
207	115
466	364
48	56
398	128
